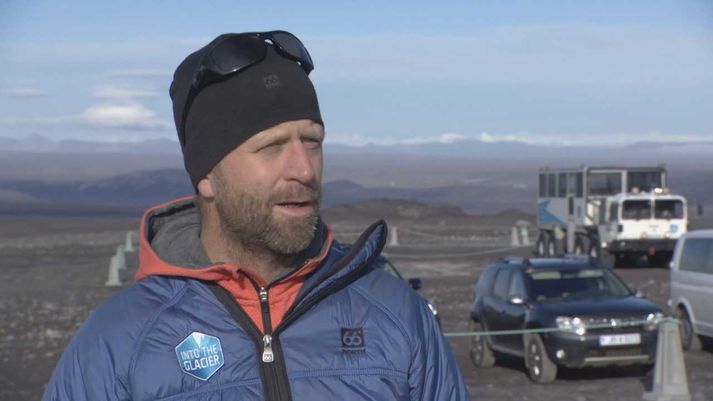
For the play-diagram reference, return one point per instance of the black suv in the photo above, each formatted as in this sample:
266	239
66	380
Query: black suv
587	310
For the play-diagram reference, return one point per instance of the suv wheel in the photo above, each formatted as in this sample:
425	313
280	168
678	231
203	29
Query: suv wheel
689	339
480	352
540	368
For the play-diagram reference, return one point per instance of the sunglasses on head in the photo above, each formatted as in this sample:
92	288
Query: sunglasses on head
236	52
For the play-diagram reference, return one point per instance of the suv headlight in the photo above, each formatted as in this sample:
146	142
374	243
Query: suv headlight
573	324
652	321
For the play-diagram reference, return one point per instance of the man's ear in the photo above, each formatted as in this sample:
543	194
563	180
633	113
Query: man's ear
205	187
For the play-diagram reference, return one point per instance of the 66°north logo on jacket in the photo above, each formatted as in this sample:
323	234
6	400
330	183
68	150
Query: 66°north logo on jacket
353	339
200	355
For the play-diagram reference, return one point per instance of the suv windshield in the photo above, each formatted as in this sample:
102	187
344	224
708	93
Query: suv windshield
558	285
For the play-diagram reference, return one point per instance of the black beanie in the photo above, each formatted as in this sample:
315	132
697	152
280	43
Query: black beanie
225	114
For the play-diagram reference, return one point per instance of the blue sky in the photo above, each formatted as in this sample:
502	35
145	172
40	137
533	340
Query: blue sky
553	72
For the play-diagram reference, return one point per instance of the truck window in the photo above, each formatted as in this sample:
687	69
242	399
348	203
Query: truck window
645	181
697	255
668	209
562	185
551	185
604	183
543	185
636	210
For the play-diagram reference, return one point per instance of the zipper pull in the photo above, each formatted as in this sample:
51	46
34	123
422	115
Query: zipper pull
263	294
267	355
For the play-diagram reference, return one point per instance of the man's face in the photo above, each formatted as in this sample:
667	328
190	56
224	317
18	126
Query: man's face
267	190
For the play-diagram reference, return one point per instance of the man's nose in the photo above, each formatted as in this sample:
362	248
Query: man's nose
299	163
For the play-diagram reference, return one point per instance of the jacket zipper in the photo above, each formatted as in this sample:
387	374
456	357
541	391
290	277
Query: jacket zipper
273	370
267	355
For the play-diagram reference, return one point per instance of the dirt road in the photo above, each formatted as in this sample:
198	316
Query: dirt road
49	282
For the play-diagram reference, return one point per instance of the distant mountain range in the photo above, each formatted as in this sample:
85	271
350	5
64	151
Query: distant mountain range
133	192
667	152
41	175
139	190
41	144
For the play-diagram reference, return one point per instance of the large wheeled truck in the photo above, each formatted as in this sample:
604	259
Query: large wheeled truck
614	214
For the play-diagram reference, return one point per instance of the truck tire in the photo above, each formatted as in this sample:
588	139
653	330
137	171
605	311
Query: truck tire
541	245
579	248
605	257
551	245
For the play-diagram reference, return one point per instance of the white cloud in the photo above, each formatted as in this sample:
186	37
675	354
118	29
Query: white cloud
122	92
129	116
125	116
545	139
25	92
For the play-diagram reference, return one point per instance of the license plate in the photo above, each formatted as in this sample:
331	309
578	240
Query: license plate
620	339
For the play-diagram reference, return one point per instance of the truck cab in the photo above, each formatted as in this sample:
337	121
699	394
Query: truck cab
642	223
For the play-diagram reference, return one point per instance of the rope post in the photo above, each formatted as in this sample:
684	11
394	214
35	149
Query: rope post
514	237
393	236
120	257
129	245
670	381
113	280
525	236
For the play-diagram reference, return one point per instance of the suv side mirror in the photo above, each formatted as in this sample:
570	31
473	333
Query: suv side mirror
415	283
516	300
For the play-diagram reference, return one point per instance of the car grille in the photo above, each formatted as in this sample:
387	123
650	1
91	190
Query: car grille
602	352
612	325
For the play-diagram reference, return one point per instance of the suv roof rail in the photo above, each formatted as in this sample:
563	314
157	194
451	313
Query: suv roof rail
581	258
515	260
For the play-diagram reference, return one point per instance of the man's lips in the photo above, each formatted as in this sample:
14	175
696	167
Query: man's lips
296	203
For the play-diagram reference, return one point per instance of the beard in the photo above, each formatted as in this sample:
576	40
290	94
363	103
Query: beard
248	217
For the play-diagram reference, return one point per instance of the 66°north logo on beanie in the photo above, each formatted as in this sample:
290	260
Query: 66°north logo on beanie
200	355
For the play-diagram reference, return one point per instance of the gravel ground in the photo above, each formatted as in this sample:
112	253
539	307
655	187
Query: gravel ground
52	274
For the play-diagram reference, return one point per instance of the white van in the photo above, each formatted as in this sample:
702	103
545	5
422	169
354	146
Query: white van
692	287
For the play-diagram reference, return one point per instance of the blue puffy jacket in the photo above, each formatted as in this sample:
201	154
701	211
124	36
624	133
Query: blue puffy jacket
353	333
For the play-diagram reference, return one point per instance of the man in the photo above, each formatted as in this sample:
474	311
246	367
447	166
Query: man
242	292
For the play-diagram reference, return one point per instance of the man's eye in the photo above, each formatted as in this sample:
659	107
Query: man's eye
270	147
313	143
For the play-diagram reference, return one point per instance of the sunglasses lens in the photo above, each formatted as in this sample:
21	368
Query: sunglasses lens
291	45
236	53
